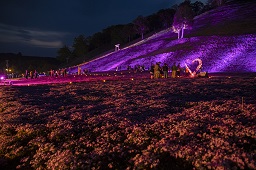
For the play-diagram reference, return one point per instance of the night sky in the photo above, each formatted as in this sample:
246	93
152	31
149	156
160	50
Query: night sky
40	28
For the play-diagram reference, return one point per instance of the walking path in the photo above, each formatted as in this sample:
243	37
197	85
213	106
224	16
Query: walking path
103	76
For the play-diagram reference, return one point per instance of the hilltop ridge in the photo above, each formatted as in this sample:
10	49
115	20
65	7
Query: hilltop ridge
223	38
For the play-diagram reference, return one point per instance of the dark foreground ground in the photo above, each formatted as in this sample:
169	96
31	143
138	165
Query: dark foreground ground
129	122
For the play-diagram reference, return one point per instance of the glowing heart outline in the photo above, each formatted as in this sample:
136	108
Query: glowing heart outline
197	68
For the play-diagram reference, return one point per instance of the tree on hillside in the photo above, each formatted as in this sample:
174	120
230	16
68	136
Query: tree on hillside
154	22
166	15
80	46
19	54
197	7
64	54
99	39
140	26
128	31
115	34
216	3
183	18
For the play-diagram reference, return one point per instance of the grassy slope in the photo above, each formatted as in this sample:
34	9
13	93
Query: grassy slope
224	38
232	19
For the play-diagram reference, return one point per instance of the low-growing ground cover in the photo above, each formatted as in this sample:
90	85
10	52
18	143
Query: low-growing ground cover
130	123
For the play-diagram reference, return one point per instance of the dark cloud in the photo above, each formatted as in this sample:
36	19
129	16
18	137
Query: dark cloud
24	34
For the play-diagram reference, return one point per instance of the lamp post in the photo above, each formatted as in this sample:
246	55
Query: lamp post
7	67
10	73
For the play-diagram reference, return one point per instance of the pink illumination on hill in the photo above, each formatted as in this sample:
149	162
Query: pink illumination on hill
218	54
223	38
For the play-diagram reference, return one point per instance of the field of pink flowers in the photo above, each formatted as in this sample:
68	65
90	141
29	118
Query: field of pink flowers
184	123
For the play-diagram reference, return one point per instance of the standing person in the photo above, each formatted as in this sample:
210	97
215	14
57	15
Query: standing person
79	70
35	74
186	72
26	74
165	70
178	70
152	71
174	69
64	72
52	73
157	71
31	75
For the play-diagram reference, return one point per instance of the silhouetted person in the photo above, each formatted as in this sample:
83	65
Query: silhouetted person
151	71
174	70
26	74
165	70
157	71
36	75
31	75
178	70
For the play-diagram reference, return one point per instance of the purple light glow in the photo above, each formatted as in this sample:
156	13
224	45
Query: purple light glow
218	53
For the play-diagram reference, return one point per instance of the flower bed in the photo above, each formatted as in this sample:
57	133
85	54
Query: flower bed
130	124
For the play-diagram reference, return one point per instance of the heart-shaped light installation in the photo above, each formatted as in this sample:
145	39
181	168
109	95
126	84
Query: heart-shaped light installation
192	74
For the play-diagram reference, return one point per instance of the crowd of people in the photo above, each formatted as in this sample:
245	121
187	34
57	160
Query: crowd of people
31	74
158	71
52	73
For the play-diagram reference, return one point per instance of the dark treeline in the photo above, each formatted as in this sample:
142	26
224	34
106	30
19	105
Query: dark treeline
17	63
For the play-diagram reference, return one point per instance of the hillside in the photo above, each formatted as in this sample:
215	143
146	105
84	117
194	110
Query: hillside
223	38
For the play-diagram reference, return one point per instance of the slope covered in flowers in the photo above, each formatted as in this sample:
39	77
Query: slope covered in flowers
219	54
130	124
223	38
